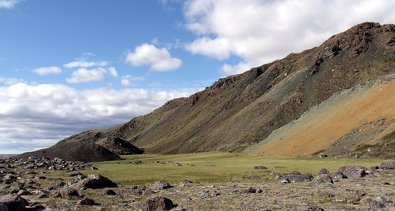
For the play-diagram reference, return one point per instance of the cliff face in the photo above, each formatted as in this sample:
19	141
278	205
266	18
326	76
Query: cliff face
242	110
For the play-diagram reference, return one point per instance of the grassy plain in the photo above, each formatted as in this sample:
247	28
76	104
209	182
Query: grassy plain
213	167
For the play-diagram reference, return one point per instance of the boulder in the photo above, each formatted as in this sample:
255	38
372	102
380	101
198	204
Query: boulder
322	179
336	176
13	202
159	185
160	203
324	171
95	181
260	167
3	207
295	177
110	192
69	193
87	202
353	172
388	164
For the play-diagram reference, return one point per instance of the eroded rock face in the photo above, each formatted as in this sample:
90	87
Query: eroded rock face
160	203
119	146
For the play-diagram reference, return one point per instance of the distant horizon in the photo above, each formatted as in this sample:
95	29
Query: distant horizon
69	66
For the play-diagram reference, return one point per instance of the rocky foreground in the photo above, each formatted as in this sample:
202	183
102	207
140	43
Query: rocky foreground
31	185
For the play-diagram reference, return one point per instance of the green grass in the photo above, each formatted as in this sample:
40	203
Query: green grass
213	167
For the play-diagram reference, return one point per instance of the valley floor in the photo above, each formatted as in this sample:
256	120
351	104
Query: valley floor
218	181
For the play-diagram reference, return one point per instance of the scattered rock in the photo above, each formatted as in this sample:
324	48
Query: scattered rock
110	192
138	162
324	171
158	185
185	184
378	202
253	190
69	193
260	167
95	181
322	179
160	203
295	177
315	208
353	172
337	176
87	202
388	164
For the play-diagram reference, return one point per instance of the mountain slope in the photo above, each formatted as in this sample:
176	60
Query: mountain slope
339	125
242	110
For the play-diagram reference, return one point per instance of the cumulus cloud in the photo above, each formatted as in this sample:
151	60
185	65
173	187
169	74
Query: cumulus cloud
83	75
159	59
37	116
259	31
48	70
8	4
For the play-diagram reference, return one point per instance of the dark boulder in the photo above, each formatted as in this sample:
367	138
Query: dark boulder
87	202
13	202
160	203
110	192
3	207
95	181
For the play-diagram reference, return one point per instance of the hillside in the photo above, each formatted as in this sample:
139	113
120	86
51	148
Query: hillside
242	110
361	116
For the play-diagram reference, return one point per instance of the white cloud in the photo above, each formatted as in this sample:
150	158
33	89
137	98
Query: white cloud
84	75
159	59
48	70
112	71
82	63
10	81
125	82
259	31
8	4
37	116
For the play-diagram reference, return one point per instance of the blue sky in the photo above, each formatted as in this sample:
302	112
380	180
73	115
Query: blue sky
70	65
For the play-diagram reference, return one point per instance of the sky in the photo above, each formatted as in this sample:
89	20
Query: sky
67	66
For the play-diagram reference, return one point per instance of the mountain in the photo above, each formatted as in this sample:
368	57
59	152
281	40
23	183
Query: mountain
240	112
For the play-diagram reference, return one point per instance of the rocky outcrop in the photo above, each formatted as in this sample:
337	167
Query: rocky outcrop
119	146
